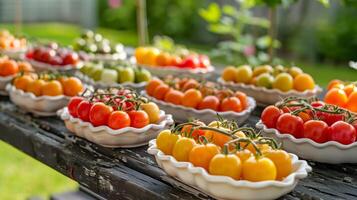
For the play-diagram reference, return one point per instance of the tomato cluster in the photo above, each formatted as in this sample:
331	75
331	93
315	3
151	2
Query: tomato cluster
53	54
343	94
223	149
312	119
116	108
10	42
154	57
278	77
49	84
191	93
9	67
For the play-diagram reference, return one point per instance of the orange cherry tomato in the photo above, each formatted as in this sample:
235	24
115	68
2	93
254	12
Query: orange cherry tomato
52	88
243	99
196	133
336	97
175	61
192	98
22	82
72	86
160	91
151	86
352	102
24	67
244	154
333	83
139	54
231	104
201	155
8	67
35	87
349	89
174	96
209	102
163	59
191	83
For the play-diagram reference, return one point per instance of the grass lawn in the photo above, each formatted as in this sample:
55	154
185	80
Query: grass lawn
21	176
17	182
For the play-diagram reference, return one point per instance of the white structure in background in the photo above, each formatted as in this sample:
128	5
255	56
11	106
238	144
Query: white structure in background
82	12
353	64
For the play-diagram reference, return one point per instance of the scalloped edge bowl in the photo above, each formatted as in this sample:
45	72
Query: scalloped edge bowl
330	152
12	53
183	114
268	96
41	106
40	66
124	138
4	80
222	187
99	84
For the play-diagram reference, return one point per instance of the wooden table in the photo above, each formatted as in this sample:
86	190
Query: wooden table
133	173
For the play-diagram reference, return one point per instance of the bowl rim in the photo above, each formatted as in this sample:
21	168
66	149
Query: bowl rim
12	89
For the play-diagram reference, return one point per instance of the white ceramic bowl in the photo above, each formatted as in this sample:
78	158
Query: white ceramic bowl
4	80
329	152
41	66
183	114
176	71
106	57
100	84
267	96
223	187
107	137
41	106
12	53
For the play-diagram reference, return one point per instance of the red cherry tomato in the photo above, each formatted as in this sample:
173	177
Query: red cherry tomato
204	61
270	115
83	109
317	104
70	59
190	62
316	130
343	132
330	118
73	104
288	123
99	114
195	133
118	120
138	118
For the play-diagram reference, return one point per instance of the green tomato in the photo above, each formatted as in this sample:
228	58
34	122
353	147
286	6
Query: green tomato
97	74
283	82
244	74
126	74
265	80
142	75
93	68
109	76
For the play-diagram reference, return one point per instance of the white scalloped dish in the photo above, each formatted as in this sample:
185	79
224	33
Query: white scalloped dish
222	187
106	57
41	66
268	96
13	53
4	80
107	137
329	152
41	106
176	71
183	114
100	84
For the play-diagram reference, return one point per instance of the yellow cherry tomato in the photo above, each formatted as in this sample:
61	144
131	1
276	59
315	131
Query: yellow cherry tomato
22	82
183	148
150	55
166	140
283	82
139	54
282	162
259	169
304	82
244	154
152	110
226	165
201	155
229	73
244	74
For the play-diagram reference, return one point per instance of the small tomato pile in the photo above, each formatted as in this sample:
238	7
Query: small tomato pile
9	67
189	92
116	108
54	55
343	94
48	84
184	59
278	77
312	119
223	149
10	42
